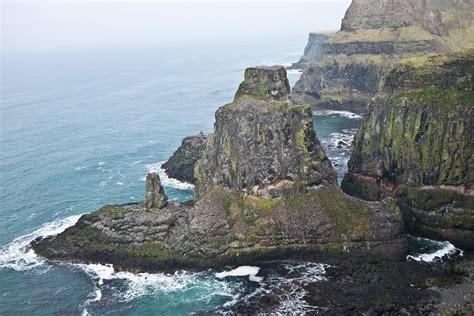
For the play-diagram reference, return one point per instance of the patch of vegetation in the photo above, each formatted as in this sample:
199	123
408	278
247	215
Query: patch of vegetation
266	204
439	96
333	247
404	34
113	212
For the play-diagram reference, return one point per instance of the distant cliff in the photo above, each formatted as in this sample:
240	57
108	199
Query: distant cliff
417	145
346	72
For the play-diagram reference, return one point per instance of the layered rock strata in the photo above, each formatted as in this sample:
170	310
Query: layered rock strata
265	190
416	145
347	71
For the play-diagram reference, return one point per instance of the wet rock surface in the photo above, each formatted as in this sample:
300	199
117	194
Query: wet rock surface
360	286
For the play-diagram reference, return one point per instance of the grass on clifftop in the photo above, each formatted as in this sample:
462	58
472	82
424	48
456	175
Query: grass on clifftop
440	96
404	34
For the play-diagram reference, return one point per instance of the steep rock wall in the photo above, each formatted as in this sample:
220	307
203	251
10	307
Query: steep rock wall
416	145
375	35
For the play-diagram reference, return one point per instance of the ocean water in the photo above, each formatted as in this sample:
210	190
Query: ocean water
80	130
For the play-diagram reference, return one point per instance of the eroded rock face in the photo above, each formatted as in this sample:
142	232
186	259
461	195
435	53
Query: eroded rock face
155	194
181	164
374	36
416	145
265	190
313	50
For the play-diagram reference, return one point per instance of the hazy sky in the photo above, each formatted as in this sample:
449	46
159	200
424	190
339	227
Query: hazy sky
30	26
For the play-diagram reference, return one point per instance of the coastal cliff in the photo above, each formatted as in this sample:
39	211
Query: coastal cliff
264	190
416	145
348	69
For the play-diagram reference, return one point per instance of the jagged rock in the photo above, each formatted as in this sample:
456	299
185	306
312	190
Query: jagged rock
374	36
416	145
181	164
155	194
265	190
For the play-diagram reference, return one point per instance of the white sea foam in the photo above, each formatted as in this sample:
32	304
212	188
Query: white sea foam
165	180
17	255
445	248
293	278
135	162
249	271
139	284
341	113
294	71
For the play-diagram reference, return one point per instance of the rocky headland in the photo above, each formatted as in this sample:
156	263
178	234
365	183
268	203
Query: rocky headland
264	190
416	145
343	71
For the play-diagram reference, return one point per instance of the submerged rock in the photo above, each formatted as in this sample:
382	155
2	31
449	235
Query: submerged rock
265	190
347	71
155	194
416	145
181	164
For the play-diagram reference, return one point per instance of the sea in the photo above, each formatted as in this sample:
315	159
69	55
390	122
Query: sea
82	129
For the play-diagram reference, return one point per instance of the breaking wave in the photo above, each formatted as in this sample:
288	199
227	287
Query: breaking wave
165	180
18	256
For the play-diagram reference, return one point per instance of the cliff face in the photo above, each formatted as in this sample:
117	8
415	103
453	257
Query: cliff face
373	37
261	139
313	50
416	144
265	190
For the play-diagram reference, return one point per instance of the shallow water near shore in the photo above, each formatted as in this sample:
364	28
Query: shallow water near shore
79	132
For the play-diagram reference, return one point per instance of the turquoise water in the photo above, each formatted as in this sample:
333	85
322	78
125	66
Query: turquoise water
82	130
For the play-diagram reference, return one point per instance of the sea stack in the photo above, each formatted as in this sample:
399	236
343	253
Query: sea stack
265	190
262	139
155	194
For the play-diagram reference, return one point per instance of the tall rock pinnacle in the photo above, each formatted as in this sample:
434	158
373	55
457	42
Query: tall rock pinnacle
155	194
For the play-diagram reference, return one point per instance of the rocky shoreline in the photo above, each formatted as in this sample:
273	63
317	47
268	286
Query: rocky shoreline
366	286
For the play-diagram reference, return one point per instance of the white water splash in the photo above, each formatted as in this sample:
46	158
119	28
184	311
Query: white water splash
17	255
165	180
292	279
294	71
445	248
341	113
249	271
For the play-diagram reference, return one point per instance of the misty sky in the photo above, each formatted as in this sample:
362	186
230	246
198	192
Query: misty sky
31	26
